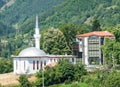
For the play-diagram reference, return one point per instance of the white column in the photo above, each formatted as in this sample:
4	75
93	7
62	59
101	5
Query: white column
86	50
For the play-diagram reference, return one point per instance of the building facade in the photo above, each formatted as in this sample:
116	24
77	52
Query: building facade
89	46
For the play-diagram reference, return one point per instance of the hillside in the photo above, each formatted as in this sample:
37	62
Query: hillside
81	12
23	9
53	13
5	30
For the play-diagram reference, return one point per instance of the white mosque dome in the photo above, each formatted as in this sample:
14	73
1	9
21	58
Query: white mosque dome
31	51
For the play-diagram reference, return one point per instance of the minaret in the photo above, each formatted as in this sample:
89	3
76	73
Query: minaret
37	34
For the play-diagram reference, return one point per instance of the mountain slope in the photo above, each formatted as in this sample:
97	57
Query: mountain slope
5	3
52	13
23	9
82	11
79	12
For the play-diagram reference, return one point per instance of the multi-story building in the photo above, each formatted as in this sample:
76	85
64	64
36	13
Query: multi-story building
88	46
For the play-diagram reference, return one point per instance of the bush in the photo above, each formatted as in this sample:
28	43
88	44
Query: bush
63	72
112	80
23	79
6	65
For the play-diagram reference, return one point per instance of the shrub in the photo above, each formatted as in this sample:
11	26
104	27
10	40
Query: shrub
112	80
23	79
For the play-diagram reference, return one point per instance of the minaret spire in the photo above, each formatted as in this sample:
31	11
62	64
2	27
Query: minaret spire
36	25
37	34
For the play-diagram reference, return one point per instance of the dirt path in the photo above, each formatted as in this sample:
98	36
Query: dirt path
9	79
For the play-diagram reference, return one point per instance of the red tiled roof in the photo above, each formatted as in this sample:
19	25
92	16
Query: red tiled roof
97	33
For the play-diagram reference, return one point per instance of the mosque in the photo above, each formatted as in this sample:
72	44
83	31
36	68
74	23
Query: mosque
32	59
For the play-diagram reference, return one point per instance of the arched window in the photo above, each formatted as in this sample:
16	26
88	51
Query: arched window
37	65
33	65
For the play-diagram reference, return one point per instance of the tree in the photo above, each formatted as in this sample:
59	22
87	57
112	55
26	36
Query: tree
79	71
96	25
67	70
111	47
55	42
70	31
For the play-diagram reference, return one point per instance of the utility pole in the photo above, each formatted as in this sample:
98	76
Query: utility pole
42	76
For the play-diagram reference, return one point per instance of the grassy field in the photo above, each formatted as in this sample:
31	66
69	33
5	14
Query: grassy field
9	79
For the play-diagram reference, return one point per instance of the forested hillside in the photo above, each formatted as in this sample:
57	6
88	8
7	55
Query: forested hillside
21	10
5	30
80	12
53	13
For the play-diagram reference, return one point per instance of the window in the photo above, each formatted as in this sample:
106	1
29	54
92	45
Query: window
44	63
37	65
41	64
33	65
93	46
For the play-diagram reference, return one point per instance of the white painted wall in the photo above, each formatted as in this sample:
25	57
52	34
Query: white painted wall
19	67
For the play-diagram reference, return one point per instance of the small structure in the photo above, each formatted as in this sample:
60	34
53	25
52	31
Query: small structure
88	47
32	59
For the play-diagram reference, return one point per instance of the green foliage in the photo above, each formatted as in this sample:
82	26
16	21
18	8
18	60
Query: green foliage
96	25
6	65
70	31
55	42
79	71
111	48
20	11
23	80
55	13
5	30
112	80
63	72
67	70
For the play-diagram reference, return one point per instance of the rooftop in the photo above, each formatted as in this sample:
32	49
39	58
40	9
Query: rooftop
97	33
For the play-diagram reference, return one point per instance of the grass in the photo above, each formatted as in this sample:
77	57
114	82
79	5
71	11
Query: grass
71	85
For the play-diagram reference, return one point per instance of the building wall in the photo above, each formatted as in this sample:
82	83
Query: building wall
25	65
33	65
